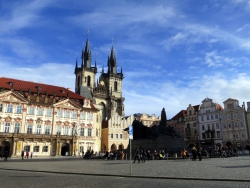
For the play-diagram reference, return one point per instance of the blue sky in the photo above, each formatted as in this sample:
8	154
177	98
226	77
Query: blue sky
173	53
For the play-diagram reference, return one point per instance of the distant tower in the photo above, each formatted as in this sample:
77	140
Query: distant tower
107	92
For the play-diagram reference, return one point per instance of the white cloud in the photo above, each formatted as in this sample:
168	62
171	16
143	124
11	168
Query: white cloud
22	15
175	97
48	73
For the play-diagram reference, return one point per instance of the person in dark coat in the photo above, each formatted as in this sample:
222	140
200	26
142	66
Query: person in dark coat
199	152
210	151
6	155
137	155
22	154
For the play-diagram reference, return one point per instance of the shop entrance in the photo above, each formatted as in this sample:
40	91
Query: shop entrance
65	149
4	146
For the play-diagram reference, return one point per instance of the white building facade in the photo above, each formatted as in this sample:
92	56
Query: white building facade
210	132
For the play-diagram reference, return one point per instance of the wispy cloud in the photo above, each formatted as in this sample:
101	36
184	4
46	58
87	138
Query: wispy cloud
23	14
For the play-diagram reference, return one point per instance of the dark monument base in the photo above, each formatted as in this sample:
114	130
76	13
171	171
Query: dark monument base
164	142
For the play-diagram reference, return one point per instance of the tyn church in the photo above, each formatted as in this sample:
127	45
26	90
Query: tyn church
107	90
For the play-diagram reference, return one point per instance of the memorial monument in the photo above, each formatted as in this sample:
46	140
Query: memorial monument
157	137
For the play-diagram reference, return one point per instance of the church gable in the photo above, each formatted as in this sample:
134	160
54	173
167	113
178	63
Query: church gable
13	97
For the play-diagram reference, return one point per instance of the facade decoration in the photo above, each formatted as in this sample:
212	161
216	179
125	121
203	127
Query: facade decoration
191	125
234	123
44	119
210	132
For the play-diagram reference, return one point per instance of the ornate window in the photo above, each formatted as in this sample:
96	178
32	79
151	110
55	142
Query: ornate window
59	113
29	129
47	129
7	128
36	149
45	149
235	124
40	111
241	124
9	108
218	134
1	107
216	116
27	148
58	130
90	115
49	112
82	115
19	109
66	130
17	128
67	113
235	116
89	132
74	114
38	129
82	131
111	136
31	110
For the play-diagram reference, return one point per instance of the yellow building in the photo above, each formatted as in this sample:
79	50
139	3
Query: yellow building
148	120
45	120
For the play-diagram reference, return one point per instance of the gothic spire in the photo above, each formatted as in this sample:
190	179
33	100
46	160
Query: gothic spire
86	55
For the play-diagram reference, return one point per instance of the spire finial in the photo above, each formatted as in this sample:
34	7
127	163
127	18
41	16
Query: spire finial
88	33
112	41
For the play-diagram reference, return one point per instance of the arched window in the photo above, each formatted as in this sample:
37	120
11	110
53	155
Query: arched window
88	81
115	86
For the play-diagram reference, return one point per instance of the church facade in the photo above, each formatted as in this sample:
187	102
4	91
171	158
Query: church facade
106	94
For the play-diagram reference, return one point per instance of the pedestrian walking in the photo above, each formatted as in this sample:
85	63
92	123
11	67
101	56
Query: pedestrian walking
137	156
27	154
6	155
31	154
199	153
22	154
210	151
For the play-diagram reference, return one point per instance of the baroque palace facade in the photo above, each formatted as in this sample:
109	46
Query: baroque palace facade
46	120
106	94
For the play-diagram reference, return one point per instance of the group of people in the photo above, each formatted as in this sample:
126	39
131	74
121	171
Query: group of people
114	155
140	155
88	154
26	154
218	151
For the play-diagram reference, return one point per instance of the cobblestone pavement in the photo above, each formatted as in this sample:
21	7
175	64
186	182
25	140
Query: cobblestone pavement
12	178
228	169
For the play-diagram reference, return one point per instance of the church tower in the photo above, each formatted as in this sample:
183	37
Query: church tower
107	92
85	75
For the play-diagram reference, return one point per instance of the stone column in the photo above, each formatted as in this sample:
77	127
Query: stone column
14	148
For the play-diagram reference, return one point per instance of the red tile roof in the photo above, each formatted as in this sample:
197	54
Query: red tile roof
181	114
50	89
33	86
